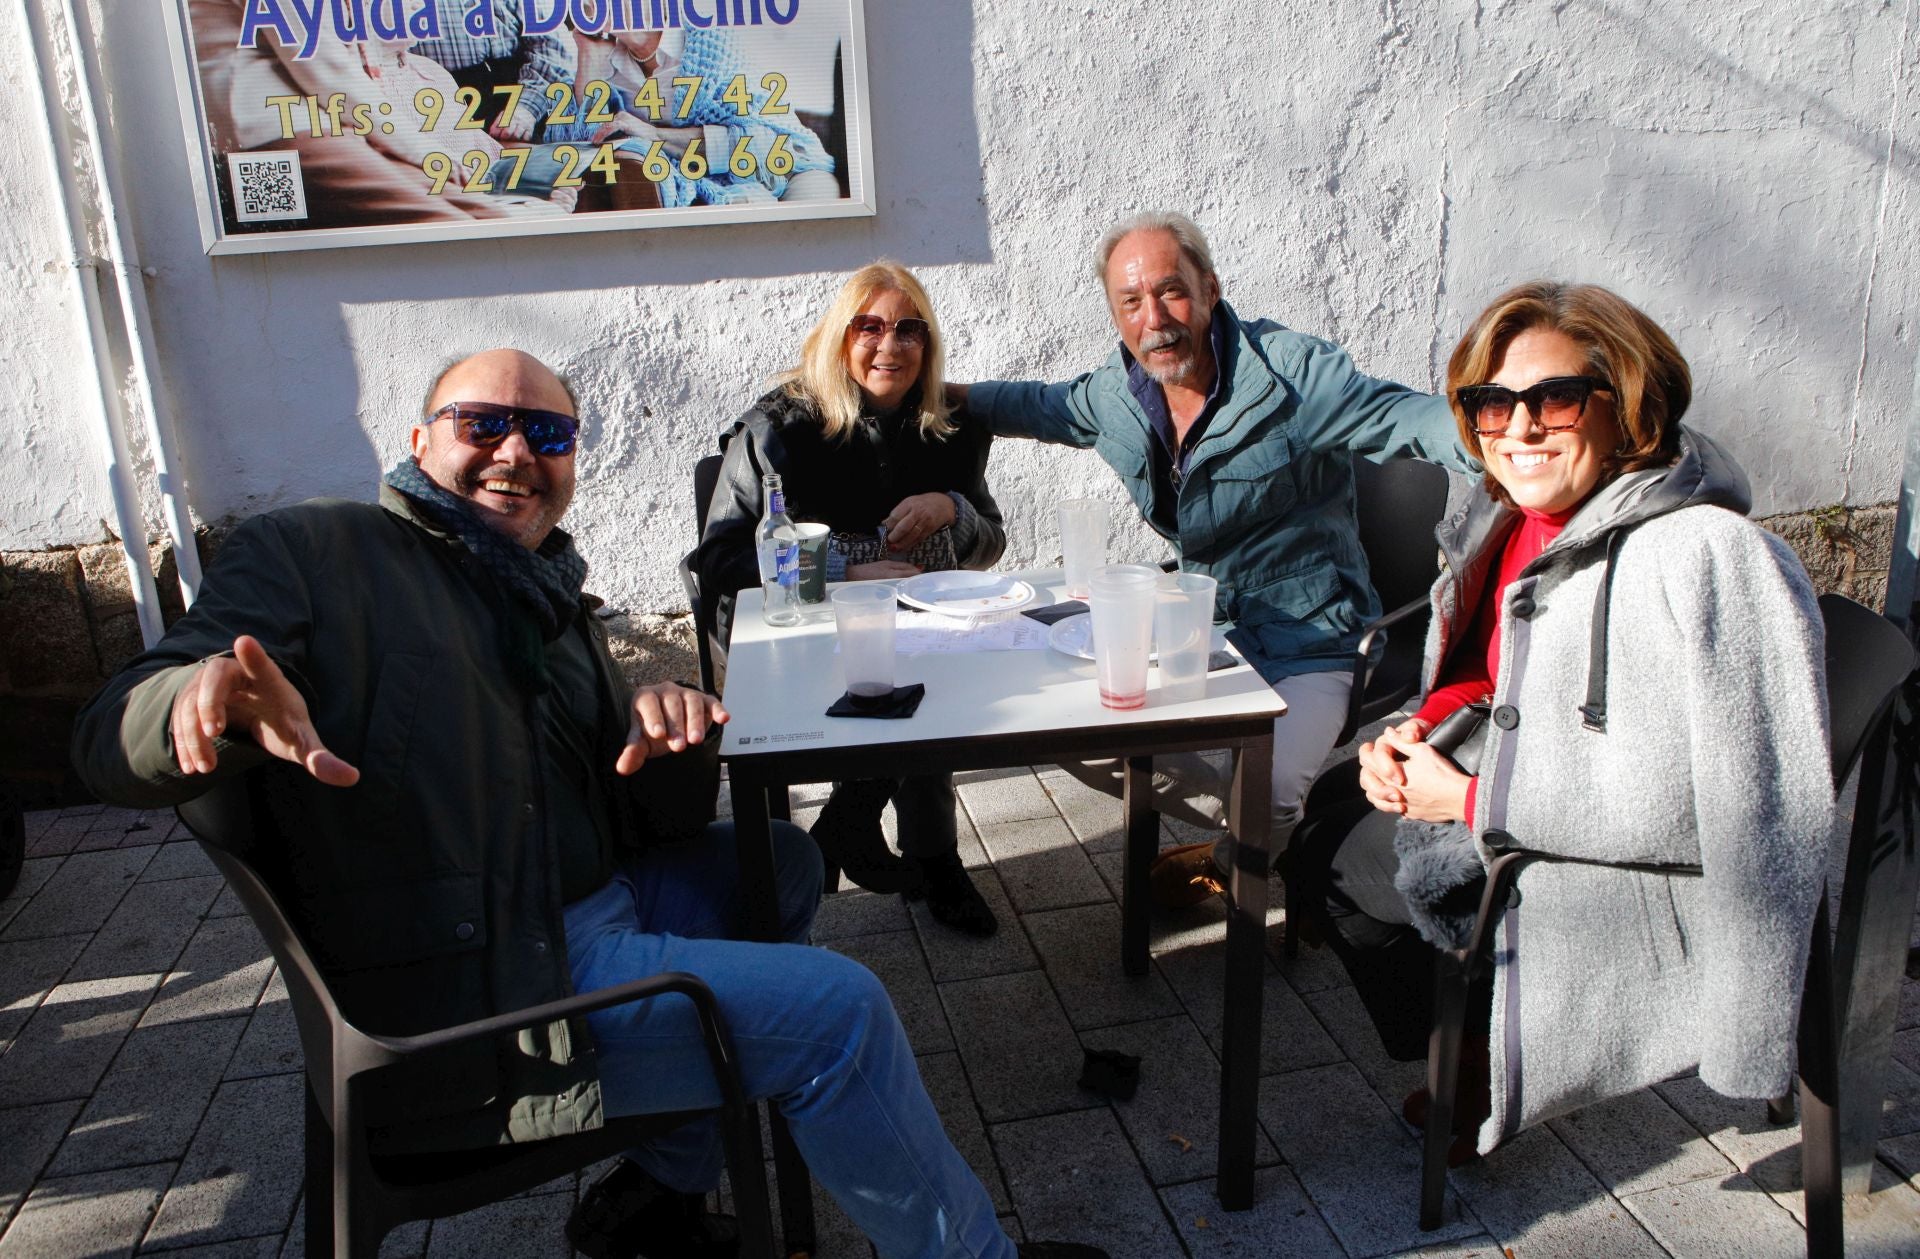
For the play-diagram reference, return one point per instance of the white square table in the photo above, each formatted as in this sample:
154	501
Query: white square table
988	710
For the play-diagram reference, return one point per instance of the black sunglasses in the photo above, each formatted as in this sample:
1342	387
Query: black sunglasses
485	425
872	330
1556	403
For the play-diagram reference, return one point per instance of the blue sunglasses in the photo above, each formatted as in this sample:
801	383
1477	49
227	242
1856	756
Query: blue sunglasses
485	425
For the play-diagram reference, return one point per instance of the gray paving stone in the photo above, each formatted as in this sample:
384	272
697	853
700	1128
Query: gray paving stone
149	930
1909	1015
266	1246
1174	1119
993	797
147	1106
1074	1178
32	1134
117	819
271	1043
1194	927
1019	1050
34	873
1356	1160
1903	1155
1041	866
1886	1221
32	824
66	1046
946	1081
1080	949
95	1215
58	838
226	905
86	808
243	1169
81	894
409	1241
1731	1218
955	955
857	913
28	971
1095	816
223	970
1290	1036
1340	1012
1281	1225
178	860
97	839
1477	1247
896	958
1638	1142
1900	1101
834	1233
1309	970
1739	1129
519	1226
1535	1198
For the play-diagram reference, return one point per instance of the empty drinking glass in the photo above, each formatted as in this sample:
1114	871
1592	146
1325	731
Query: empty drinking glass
1122	599
1183	634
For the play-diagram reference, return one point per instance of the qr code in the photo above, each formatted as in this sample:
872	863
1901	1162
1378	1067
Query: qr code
267	187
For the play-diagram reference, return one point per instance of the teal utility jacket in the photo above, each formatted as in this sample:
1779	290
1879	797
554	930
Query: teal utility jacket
429	892
1266	504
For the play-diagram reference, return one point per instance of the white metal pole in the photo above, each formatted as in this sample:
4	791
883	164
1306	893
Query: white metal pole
126	499
133	305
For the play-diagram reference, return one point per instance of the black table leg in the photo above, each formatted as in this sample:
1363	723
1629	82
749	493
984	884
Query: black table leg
1143	838
753	835
1250	814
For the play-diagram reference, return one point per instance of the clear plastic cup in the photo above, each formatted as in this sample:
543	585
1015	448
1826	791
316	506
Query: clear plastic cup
863	616
1122	599
1183	634
1083	541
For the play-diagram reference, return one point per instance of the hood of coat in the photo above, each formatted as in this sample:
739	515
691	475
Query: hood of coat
1704	473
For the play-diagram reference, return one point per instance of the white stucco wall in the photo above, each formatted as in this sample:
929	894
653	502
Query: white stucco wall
1370	172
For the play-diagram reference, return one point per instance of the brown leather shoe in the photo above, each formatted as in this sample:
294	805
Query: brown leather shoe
1185	876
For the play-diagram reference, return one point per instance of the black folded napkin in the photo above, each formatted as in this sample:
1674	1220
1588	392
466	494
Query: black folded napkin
899	702
1110	1072
1219	660
1056	611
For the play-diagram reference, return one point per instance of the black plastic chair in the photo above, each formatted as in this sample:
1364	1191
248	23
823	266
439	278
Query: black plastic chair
355	1196
1868	660
706	478
1398	504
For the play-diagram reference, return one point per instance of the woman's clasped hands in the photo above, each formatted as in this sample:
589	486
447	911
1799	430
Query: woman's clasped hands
1401	774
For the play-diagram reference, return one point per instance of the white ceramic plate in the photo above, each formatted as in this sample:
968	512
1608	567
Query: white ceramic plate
1073	636
962	593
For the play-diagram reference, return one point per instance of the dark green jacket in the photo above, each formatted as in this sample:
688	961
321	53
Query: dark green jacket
429	891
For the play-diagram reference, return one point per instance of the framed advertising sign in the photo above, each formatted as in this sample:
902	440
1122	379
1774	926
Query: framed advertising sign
320	123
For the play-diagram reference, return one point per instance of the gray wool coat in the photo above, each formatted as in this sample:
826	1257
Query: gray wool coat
1713	753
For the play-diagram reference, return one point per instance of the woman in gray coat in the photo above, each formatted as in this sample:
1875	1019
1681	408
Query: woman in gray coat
1652	662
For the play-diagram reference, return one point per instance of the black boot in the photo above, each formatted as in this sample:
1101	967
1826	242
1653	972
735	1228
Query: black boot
954	899
848	832
627	1214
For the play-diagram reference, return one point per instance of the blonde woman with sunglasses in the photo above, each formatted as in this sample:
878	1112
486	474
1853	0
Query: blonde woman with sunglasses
865	441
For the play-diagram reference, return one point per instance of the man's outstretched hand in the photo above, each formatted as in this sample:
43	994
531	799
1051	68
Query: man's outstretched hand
248	694
667	718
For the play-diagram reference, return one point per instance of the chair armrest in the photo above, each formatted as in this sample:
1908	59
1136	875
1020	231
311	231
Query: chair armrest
1375	626
712	1026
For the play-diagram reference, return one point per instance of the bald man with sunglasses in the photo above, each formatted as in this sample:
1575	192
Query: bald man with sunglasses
466	812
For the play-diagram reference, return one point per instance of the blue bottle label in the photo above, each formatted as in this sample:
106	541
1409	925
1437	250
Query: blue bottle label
786	561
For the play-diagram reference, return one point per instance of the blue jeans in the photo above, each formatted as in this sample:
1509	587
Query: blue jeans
814	1031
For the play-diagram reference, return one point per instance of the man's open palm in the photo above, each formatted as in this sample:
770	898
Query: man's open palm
249	694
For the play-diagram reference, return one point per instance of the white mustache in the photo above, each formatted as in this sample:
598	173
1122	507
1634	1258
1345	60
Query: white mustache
1165	339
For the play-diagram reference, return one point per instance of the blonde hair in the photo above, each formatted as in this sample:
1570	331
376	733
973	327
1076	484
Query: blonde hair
1652	384
822	377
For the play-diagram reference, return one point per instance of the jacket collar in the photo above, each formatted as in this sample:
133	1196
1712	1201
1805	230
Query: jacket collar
1703	473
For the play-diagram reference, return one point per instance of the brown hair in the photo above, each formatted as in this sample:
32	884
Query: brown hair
1651	383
